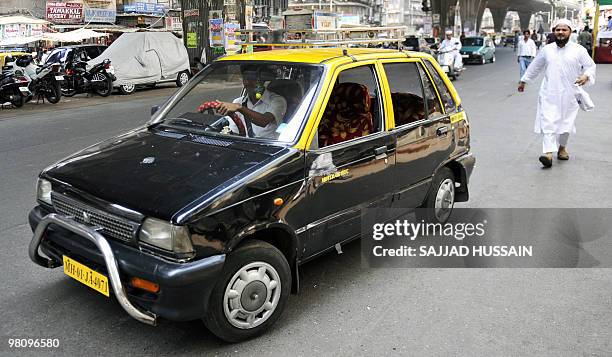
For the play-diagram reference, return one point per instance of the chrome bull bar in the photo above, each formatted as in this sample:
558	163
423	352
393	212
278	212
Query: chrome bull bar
109	259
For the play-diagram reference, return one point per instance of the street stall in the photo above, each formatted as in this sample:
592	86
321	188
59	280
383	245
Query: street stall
602	49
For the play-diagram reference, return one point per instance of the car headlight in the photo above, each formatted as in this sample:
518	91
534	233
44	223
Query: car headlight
165	235
43	191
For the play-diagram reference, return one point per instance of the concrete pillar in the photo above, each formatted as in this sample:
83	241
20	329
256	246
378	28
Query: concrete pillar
525	17
499	16
471	13
442	7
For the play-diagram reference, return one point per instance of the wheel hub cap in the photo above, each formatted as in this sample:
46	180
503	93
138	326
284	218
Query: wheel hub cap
252	294
445	199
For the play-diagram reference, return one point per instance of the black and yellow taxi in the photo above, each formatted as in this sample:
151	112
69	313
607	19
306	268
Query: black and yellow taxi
206	213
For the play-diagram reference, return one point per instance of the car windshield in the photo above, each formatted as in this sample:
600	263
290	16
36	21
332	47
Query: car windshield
252	99
476	42
58	55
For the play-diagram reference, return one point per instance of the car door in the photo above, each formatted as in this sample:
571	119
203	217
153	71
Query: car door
346	175
421	127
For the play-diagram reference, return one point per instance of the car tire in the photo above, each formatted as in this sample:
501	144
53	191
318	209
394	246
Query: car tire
493	59
127	89
440	200
254	269
182	78
483	61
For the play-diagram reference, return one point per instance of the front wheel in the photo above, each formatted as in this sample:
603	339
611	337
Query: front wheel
493	59
105	86
69	87
441	198
54	93
251	292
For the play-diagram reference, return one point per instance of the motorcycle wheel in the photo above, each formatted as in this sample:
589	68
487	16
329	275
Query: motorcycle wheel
68	90
55	93
18	103
105	89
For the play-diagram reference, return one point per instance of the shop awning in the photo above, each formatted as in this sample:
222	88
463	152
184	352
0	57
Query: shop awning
18	19
73	36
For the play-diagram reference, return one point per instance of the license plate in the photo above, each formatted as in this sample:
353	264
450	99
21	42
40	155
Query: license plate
85	275
59	78
465	56
24	89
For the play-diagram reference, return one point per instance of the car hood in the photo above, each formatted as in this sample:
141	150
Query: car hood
157	173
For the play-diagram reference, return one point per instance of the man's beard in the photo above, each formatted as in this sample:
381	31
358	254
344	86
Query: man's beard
561	42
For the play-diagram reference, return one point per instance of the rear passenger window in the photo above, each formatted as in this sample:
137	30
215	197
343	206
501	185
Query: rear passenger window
353	108
434	109
447	98
406	92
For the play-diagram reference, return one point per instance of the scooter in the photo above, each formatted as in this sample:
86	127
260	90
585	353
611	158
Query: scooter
13	89
44	81
446	59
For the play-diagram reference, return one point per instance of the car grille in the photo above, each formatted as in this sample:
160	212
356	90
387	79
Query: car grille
111	225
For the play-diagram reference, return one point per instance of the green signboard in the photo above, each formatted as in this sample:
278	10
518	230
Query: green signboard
605	2
192	40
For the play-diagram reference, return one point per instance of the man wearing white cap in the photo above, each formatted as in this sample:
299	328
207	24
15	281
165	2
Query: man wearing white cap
566	65
452	44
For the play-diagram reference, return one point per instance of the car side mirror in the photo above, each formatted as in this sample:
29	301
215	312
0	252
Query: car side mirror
154	109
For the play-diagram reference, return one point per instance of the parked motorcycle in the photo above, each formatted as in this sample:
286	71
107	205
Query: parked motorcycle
44	81
446	59
97	80
13	89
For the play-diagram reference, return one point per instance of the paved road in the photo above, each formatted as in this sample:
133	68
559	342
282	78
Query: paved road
342	309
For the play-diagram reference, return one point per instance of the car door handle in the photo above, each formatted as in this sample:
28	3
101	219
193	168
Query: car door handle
442	131
380	153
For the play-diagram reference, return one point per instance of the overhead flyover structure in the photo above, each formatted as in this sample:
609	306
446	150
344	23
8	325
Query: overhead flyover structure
472	10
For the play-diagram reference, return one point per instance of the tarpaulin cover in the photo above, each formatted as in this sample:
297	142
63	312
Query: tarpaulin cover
145	57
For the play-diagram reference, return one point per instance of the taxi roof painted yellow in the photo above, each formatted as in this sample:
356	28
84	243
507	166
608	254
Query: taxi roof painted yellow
318	55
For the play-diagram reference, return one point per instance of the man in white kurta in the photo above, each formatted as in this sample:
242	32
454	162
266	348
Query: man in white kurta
566	65
453	45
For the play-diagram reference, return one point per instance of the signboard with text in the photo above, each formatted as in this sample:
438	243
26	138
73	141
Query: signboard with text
100	11
64	12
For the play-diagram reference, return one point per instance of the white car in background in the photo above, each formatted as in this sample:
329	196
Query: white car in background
146	59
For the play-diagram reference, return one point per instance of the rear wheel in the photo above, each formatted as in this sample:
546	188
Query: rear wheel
105	87
68	88
251	292
441	198
127	89
54	93
182	78
493	59
18	100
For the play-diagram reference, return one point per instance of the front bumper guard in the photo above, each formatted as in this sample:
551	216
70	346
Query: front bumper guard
91	234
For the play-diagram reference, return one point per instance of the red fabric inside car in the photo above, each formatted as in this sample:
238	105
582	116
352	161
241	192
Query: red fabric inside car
347	115
407	108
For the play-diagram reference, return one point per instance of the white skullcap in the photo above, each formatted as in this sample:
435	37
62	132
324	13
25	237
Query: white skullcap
565	22
449	32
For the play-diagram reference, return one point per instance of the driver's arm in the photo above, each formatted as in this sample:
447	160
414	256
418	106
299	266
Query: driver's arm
256	118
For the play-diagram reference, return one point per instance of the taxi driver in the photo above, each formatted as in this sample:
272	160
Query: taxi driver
261	108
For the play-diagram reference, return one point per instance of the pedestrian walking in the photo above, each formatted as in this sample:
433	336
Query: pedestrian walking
586	39
567	66
526	52
609	23
517	37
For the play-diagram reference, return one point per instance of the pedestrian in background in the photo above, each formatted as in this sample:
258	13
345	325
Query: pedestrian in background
567	66
609	23
526	52
517	37
585	39
574	36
